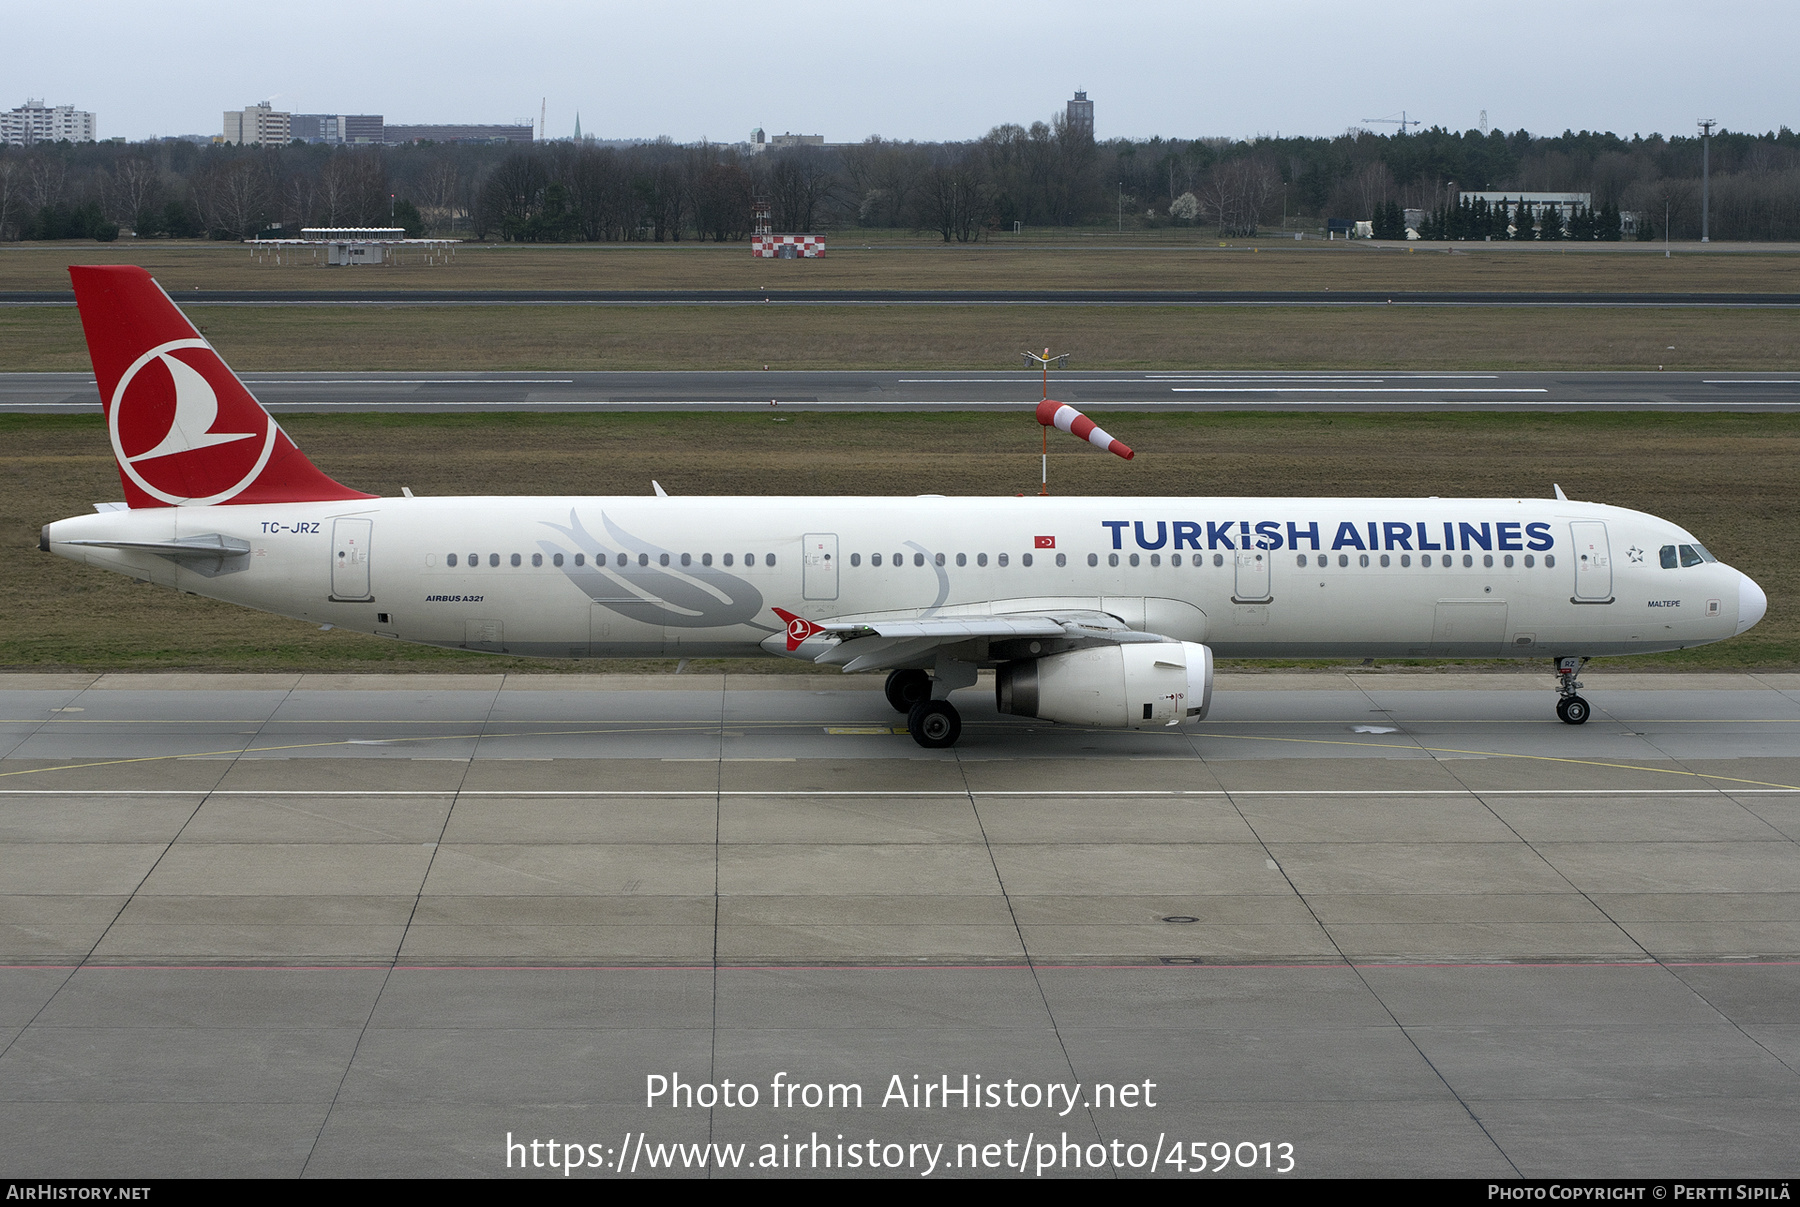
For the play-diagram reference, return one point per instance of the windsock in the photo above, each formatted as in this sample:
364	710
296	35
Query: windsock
1066	418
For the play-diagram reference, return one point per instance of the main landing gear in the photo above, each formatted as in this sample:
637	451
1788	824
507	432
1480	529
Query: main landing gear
1571	709
934	724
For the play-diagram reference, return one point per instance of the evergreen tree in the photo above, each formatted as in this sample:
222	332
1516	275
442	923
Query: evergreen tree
1522	228
1610	228
1550	224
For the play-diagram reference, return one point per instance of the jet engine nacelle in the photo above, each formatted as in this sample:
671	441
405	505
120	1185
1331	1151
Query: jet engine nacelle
1138	686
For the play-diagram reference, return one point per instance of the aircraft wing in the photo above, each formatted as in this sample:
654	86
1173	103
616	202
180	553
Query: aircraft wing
874	643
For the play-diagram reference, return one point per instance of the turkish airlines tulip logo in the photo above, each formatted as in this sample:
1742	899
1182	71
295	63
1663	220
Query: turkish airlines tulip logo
184	429
798	628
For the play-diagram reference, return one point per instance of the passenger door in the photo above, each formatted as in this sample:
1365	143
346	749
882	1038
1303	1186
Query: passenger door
350	558
1593	561
818	566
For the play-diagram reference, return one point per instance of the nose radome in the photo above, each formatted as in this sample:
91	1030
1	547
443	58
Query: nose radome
1752	602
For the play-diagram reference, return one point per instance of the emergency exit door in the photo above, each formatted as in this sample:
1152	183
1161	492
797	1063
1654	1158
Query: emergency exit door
1593	561
1252	582
819	566
350	558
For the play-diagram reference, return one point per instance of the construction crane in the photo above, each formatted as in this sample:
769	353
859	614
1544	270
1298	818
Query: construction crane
1402	121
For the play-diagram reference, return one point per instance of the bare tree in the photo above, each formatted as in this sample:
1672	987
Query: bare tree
133	188
953	198
1236	191
442	193
45	176
1372	183
12	190
233	196
800	185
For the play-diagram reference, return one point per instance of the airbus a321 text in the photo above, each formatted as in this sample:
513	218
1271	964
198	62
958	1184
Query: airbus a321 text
1094	611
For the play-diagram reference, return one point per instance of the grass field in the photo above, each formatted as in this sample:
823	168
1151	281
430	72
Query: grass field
1731	479
1089	262
942	337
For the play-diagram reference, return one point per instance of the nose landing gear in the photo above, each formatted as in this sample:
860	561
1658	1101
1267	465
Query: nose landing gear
1571	709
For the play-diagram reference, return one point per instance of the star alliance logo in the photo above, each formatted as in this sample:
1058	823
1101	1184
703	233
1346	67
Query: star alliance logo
1635	554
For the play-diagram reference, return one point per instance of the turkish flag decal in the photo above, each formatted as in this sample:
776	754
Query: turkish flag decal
1046	542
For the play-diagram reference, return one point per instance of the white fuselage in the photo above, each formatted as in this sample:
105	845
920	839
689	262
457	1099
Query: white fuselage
634	576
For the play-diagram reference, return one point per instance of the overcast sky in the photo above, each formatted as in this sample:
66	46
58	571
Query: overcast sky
933	70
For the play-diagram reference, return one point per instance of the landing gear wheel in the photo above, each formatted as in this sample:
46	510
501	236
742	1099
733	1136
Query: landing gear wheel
1572	710
935	724
906	688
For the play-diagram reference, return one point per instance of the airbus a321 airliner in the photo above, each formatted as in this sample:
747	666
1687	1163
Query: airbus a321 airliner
1094	612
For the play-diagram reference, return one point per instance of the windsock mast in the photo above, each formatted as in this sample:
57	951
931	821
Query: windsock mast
1046	360
1063	417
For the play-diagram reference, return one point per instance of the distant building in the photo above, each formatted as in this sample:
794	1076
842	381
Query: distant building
399	135
1537	201
338	129
258	126
35	122
1080	114
759	142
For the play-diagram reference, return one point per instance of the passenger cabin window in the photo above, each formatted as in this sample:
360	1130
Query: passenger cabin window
1002	559
855	559
537	559
493	559
728	560
1024	559
874	559
1093	559
450	559
918	559
581	558
1062	559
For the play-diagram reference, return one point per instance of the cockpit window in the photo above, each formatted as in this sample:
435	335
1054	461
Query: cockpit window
1690	556
1667	553
1704	555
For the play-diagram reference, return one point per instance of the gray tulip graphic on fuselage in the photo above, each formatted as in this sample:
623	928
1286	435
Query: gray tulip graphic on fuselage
691	597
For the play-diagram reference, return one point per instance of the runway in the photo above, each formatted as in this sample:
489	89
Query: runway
914	390
938	297
1405	924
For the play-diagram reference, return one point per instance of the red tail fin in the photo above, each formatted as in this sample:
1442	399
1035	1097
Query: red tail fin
184	429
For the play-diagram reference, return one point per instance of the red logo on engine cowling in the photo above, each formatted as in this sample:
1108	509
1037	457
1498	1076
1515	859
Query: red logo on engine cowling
184	429
798	627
